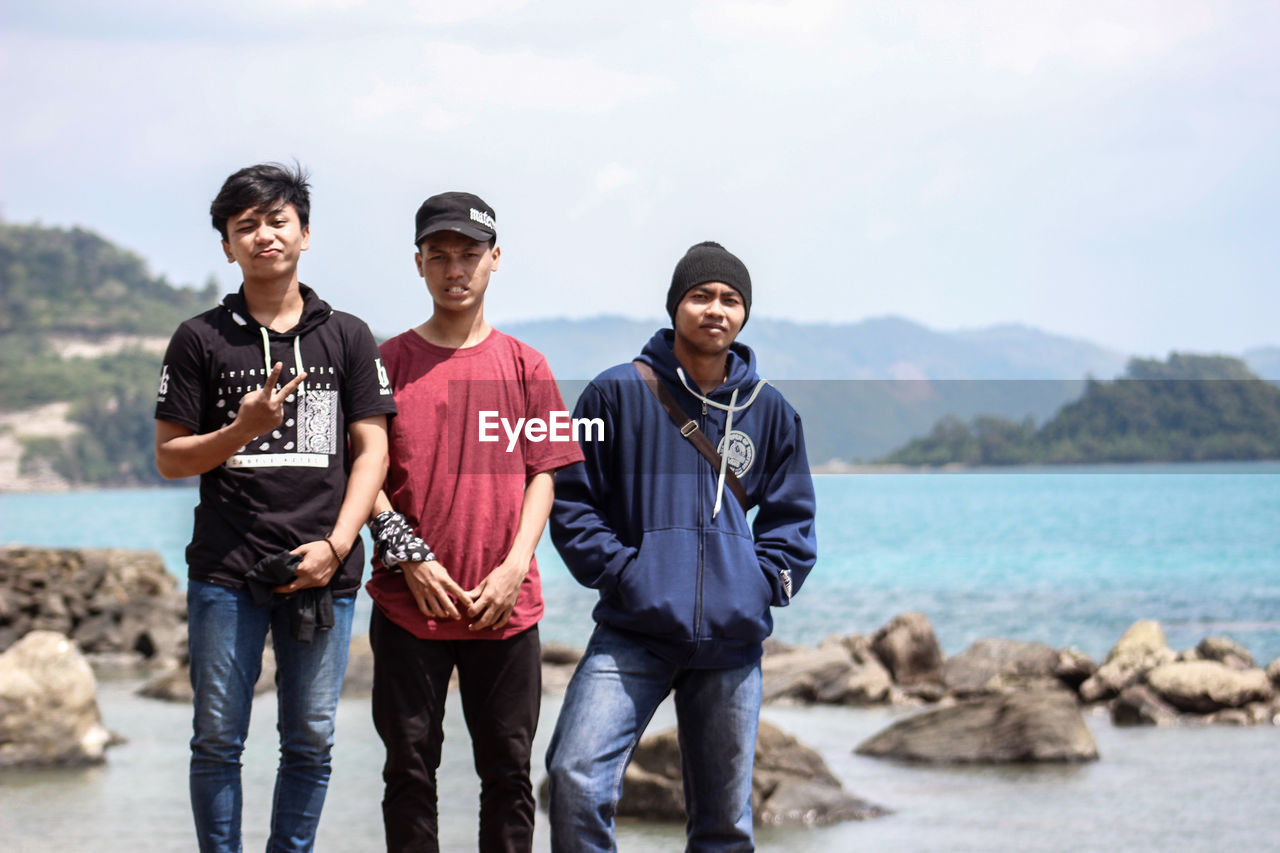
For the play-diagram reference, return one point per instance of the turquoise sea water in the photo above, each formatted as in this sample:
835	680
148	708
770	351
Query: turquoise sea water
1061	557
1067	557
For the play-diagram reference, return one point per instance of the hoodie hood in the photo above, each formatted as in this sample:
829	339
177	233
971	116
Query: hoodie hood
315	311
740	366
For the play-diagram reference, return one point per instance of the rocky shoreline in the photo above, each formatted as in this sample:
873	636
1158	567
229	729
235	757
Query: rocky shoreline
1141	681
68	613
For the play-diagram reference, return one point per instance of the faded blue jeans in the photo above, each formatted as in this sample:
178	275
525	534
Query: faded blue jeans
227	634
614	692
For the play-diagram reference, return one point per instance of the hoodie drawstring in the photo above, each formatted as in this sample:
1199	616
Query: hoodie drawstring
297	362
297	356
724	457
266	352
728	427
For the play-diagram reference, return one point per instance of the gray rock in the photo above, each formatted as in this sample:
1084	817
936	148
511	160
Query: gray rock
995	665
1143	639
117	666
841	671
558	664
556	678
1226	651
790	785
800	802
48	705
1259	713
1138	705
1034	726
867	683
107	600
774	646
1206	686
1139	649
1230	717
908	648
171	686
1074	668
1273	672
924	693
799	674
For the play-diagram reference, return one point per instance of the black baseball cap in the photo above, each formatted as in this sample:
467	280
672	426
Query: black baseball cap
464	213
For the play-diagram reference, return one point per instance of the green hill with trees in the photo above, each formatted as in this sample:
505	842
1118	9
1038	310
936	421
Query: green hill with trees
74	285
1189	408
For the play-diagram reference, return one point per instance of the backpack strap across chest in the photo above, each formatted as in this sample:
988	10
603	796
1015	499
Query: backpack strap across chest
689	429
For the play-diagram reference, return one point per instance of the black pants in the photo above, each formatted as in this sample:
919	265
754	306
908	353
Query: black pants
501	686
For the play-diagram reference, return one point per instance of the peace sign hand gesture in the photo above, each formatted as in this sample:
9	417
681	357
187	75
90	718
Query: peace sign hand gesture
262	410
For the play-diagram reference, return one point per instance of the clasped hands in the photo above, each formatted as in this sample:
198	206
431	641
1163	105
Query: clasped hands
488	605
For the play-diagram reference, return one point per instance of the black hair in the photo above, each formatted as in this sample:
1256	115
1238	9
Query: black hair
264	186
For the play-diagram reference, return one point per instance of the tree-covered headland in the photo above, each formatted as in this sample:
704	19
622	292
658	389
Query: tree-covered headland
1188	408
73	284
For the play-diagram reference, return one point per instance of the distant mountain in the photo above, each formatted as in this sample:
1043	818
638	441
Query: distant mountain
877	348
1264	361
1187	408
864	387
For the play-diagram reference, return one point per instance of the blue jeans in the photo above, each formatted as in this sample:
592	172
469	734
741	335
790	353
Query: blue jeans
227	634
614	692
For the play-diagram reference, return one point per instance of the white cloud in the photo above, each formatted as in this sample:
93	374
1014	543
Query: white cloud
1025	37
614	177
791	20
526	80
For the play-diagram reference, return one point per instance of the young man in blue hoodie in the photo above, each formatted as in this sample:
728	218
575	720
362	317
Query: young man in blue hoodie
686	581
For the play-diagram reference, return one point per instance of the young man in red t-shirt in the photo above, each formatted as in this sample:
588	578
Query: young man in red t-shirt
471	475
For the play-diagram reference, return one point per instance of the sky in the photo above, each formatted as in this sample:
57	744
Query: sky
1102	170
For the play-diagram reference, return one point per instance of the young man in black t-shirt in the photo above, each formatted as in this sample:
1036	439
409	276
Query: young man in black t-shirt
280	404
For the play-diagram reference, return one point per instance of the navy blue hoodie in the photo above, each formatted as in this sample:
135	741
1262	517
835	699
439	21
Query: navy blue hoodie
637	520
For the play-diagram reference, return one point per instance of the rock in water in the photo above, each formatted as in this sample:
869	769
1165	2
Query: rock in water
909	649
1225	650
48	705
1138	705
996	665
1013	727
790	785
110	601
842	671
1140	648
1204	686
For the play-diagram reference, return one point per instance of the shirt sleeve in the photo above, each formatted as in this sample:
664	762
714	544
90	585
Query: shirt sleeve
784	528
367	388
181	396
544	401
582	534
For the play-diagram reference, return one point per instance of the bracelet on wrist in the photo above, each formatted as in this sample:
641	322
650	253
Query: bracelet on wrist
334	549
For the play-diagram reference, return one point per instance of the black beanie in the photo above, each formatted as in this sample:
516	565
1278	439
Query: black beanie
706	262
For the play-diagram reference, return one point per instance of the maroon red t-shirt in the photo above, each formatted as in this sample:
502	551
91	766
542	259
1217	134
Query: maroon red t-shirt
457	473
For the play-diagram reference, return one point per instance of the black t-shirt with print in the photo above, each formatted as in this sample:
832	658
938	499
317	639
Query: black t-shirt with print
285	487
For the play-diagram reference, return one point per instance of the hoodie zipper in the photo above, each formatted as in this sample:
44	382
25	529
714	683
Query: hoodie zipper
702	535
